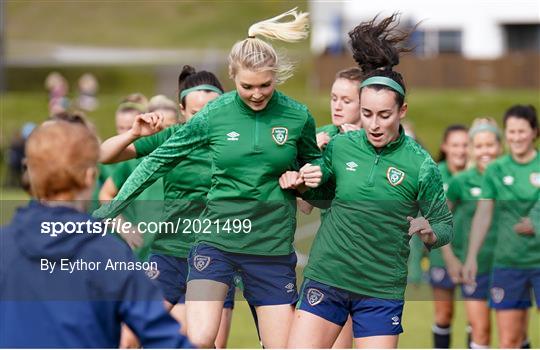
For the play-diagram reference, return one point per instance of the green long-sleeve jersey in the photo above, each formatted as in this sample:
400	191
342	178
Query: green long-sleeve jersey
515	188
534	216
363	244
435	256
246	212
464	191
185	188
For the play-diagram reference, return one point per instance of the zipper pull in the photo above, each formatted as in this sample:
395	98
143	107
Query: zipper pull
377	159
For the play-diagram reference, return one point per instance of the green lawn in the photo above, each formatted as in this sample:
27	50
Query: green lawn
429	110
158	24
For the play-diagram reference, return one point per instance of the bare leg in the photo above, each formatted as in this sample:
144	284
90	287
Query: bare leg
345	338
224	329
274	324
377	342
510	324
204	306
478	316
311	331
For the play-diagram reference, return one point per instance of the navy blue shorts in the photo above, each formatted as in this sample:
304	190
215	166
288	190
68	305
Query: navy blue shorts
171	278
268	280
478	292
511	288
371	316
439	278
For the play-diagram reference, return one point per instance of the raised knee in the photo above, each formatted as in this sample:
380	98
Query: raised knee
510	342
201	339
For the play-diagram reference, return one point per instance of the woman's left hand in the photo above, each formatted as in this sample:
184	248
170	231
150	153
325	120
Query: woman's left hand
524	227
349	127
422	228
311	174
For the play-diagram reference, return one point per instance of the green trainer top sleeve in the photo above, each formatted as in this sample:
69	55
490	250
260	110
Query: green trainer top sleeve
158	163
435	255
535	218
464	191
185	190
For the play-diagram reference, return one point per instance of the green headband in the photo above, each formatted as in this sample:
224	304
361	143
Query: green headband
391	83
484	127
132	105
206	87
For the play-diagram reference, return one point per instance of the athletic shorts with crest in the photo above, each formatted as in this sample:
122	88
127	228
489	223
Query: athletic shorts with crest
370	316
512	288
440	278
267	280
171	278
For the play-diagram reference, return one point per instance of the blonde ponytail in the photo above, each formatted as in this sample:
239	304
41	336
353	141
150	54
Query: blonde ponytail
257	55
285	31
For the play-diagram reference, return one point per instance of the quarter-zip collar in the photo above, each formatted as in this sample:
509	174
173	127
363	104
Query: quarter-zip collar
246	109
389	148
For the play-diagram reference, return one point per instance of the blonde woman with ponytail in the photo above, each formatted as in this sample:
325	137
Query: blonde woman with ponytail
254	134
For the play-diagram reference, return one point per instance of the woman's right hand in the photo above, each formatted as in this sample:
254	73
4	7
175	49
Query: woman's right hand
455	268
146	124
292	180
469	271
322	139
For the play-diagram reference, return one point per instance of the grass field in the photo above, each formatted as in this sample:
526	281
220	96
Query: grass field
430	111
158	24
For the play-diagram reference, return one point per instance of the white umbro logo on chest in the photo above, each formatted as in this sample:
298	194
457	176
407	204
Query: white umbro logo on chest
351	166
233	136
508	180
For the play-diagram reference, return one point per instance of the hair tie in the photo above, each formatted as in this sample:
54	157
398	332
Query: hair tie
251	36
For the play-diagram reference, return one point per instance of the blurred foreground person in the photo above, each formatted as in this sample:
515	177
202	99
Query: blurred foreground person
66	284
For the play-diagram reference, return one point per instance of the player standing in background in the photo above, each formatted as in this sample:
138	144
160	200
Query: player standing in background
510	189
464	190
344	106
252	221
380	178
452	160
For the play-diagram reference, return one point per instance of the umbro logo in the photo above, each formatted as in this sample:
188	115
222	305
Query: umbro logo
351	166
508	180
476	191
290	288
395	320
232	136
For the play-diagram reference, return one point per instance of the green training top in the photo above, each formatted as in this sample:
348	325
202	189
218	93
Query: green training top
330	129
464	191
363	244
435	256
185	189
147	208
534	215
247	211
515	187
